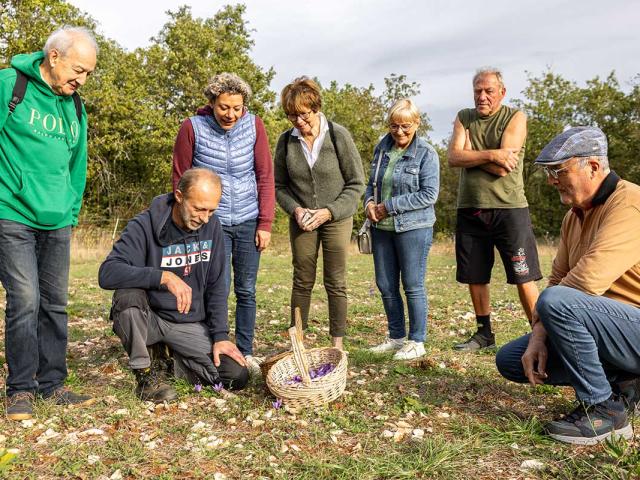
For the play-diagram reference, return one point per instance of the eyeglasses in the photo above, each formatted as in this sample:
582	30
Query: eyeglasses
405	127
555	172
302	116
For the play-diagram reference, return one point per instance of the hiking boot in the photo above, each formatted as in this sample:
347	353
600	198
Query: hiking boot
161	360
151	388
20	406
388	345
253	365
592	424
629	392
64	396
478	341
410	350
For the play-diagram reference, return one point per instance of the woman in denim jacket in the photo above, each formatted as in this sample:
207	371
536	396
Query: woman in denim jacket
399	201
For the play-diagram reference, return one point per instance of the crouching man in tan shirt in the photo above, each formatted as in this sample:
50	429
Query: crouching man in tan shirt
586	325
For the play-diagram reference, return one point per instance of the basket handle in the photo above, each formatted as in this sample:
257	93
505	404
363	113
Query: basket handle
297	319
299	356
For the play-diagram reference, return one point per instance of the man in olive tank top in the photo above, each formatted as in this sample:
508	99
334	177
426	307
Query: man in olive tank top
488	146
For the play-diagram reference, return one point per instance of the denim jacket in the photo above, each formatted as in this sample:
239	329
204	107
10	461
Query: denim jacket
416	182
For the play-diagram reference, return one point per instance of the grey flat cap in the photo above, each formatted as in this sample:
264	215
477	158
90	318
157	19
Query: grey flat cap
575	142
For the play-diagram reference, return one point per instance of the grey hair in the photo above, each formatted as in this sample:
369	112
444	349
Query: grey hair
193	176
227	83
63	38
481	72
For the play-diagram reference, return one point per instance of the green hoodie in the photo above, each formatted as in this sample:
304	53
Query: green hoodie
43	151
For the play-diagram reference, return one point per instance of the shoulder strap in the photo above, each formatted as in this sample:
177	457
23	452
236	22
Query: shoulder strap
77	101
332	135
287	135
19	89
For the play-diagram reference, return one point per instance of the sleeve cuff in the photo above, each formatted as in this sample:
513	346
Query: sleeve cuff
219	337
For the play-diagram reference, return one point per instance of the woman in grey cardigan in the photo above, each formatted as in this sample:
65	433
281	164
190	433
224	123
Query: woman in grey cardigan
319	180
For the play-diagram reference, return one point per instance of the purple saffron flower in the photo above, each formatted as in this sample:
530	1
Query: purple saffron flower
218	387
197	387
277	404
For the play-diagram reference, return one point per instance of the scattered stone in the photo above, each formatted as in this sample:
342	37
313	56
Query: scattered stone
91	431
93	459
387	433
443	415
532	464
117	475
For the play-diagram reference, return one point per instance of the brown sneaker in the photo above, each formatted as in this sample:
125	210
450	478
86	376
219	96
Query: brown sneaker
20	406
64	396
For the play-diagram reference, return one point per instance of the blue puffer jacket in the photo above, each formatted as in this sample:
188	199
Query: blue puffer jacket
229	153
416	183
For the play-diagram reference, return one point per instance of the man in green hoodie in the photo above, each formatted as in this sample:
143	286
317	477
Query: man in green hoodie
43	164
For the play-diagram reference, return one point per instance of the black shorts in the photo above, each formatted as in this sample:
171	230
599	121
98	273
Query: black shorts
478	231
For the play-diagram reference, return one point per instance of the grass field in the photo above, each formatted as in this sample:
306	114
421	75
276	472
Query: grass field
448	416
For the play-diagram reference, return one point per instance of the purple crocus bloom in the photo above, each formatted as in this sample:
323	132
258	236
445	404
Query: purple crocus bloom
277	404
197	387
218	387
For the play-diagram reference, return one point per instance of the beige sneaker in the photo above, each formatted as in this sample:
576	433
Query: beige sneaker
253	364
410	350
389	345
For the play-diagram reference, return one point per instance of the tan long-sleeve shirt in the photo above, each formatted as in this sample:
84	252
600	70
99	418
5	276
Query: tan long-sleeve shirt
599	251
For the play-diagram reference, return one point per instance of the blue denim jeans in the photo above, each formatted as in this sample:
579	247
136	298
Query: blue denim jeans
243	255
592	342
34	271
403	255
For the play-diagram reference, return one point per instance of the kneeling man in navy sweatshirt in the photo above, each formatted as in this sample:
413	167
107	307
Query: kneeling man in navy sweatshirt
167	270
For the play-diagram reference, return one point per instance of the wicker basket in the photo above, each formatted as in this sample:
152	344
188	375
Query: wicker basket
309	392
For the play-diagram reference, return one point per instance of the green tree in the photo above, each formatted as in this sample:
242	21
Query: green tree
26	24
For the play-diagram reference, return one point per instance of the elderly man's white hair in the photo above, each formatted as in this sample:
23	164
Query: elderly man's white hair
63	38
481	72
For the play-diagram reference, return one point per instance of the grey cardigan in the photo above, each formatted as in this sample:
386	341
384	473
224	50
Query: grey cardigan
333	183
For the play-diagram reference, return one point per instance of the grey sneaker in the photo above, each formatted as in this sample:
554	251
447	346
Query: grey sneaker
64	396
388	345
152	388
629	392
592	424
20	406
477	342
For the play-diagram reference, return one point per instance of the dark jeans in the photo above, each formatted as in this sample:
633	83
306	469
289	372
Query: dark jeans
34	271
139	327
592	342
334	238
403	255
243	255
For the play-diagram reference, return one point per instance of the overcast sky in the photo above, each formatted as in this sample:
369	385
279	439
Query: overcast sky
437	43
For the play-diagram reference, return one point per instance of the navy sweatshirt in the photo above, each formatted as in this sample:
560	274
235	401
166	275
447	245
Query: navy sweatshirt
149	245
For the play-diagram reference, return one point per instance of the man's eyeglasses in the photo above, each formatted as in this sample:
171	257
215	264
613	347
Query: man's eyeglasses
555	172
405	127
302	116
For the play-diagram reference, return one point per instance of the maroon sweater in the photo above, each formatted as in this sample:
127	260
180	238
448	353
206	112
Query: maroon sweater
183	160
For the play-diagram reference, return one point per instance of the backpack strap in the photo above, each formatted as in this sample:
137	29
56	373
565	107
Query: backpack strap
287	135
77	101
20	88
332	135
